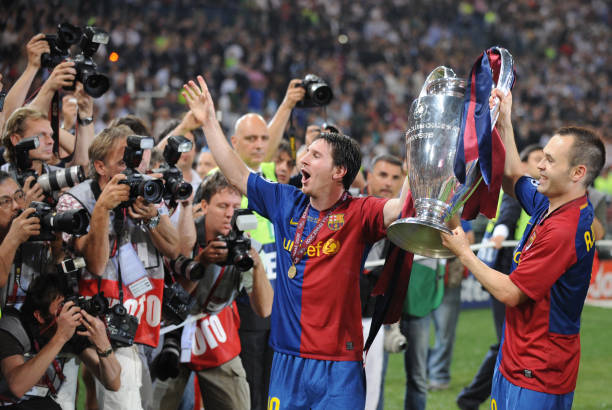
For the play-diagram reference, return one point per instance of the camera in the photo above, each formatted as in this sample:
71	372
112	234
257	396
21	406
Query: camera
166	364
23	162
318	93
59	44
89	40
188	268
238	245
50	182
95	306
74	222
120	326
70	269
61	178
152	190
177	189
177	303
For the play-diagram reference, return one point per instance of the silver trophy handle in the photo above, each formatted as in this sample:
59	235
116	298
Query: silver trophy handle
504	81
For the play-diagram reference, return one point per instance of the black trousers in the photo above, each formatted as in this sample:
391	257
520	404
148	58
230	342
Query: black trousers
256	355
480	388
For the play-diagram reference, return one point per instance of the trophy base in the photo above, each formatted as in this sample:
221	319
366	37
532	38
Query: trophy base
419	237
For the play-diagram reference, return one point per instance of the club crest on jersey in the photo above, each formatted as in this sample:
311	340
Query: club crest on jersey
335	222
331	247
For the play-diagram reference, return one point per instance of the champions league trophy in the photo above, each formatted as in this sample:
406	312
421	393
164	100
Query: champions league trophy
434	125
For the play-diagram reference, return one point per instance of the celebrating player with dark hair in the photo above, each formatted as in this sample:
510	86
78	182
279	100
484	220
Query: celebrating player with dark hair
322	234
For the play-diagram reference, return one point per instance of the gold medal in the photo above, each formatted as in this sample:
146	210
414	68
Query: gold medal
292	272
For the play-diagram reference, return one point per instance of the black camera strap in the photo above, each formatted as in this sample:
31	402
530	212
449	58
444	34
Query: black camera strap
55	122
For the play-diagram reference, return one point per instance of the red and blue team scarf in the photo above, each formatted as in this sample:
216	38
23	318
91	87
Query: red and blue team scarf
478	141
392	285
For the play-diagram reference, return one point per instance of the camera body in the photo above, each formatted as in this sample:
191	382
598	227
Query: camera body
120	326
74	222
95	306
88	39
318	92
152	190
176	189
59	44
177	303
238	244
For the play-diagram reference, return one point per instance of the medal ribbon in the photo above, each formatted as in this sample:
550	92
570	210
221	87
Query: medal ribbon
299	247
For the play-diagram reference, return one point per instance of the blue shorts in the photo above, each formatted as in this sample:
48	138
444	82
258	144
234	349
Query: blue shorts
507	396
298	383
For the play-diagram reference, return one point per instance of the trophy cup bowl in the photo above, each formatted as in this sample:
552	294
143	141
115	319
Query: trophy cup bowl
434	125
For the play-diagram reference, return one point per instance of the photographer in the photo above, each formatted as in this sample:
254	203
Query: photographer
20	260
71	147
123	251
31	342
214	344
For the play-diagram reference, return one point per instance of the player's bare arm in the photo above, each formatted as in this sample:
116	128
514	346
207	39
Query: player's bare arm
201	105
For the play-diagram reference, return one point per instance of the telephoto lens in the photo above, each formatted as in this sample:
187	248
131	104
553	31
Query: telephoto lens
188	268
61	178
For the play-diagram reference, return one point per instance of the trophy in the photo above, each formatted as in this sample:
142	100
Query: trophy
434	125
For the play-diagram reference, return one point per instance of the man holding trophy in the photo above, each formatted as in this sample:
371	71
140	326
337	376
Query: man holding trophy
544	294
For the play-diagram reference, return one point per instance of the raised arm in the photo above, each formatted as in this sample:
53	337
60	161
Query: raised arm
86	132
62	76
513	169
394	206
201	105
19	91
277	125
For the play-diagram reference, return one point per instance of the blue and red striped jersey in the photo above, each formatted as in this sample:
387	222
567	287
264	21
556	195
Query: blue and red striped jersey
317	314
552	266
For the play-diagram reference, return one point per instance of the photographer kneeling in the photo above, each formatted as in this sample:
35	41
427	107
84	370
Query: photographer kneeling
211	346
31	341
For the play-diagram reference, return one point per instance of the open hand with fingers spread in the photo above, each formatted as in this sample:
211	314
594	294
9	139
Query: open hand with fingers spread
199	100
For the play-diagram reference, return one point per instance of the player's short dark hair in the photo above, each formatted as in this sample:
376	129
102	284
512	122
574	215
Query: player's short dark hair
526	152
391	159
212	184
345	153
588	150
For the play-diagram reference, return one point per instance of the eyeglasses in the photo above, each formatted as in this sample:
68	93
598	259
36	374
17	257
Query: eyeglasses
6	201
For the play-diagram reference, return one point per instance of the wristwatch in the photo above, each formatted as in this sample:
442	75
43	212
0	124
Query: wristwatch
105	353
84	121
153	222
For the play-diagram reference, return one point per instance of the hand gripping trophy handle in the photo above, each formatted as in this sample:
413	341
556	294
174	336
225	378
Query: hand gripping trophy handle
434	124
